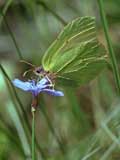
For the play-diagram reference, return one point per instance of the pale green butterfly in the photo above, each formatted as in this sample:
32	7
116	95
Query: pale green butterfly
76	56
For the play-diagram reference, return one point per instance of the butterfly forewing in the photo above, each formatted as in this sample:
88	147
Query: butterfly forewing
78	31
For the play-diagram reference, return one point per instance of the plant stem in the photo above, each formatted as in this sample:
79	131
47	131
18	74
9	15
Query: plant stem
5	8
22	108
33	133
110	48
12	36
42	3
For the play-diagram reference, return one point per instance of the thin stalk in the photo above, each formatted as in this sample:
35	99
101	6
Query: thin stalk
15	94
8	131
7	4
33	134
18	122
113	137
14	91
91	153
22	108
14	141
52	12
12	35
60	144
110	48
11	109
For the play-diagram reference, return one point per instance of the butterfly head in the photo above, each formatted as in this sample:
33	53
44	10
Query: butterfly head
39	71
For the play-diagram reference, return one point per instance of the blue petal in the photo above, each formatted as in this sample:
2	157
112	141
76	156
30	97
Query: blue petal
42	84
26	86
43	81
53	92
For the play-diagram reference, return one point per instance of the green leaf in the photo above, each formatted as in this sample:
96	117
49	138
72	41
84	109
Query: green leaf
76	56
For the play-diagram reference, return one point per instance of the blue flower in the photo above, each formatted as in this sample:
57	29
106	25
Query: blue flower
35	88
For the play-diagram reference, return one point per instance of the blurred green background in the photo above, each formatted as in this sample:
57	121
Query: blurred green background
85	123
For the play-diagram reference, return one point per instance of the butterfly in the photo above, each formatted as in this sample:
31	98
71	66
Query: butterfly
76	56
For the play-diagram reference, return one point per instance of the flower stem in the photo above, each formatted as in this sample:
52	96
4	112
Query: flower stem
22	108
110	48
33	133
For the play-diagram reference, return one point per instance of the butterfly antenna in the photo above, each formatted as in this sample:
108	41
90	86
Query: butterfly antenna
24	74
23	61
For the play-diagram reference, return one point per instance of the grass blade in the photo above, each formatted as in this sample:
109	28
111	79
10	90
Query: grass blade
91	153
8	3
12	35
18	125
110	48
22	108
42	3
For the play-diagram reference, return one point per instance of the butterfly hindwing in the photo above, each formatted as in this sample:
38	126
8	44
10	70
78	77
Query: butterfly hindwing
86	67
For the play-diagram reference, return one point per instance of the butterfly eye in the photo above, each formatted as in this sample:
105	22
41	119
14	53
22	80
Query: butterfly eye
38	71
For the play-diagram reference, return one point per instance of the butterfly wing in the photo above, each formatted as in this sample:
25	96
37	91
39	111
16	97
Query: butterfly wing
77	31
75	51
84	68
